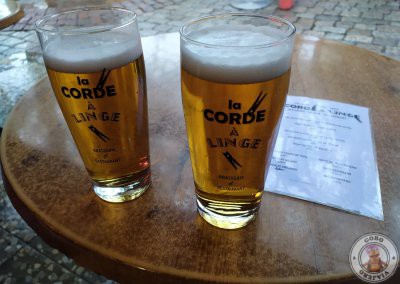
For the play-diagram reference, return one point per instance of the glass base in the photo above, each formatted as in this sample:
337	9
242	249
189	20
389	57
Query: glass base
250	5
226	215
123	192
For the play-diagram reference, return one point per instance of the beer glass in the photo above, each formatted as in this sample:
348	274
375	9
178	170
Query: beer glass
235	71
95	64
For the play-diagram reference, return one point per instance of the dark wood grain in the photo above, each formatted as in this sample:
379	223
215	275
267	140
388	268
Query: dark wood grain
160	237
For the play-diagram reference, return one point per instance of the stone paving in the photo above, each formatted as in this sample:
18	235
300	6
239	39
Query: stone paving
24	257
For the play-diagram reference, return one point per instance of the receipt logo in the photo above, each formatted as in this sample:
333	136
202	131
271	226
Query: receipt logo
374	258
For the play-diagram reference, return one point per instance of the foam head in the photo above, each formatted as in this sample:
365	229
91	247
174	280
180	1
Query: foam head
88	53
236	53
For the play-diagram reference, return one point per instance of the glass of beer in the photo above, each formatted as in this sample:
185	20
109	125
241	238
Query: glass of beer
95	64
235	72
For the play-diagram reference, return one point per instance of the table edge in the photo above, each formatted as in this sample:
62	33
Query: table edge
60	242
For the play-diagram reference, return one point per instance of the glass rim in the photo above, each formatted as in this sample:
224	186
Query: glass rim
223	15
41	21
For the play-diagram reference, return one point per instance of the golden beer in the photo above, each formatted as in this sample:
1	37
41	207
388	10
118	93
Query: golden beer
99	81
233	101
109	125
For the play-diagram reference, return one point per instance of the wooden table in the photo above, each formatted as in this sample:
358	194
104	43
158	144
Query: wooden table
160	237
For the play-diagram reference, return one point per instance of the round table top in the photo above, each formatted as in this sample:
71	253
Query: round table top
160	237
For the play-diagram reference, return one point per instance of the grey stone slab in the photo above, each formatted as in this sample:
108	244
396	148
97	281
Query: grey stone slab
157	19
352	19
326	4
372	47
384	9
92	277
148	33
314	33
9	245
376	22
299	9
365	9
32	37
351	13
353	1
332	12
130	6
366	4
145	7
306	15
20	34
395	24
6	106
362	26
393	16
395	5
18	26
389	29
56	274
346	25
345	5
11	41
10	221
163	28
304	23
29	266
316	10
22	46
334	36
393	52
5	35
10	93
286	14
325	23
3	49
146	26
16	226
372	15
358	38
330	29
158	6
308	3
327	18
386	35
359	32
383	41
55	255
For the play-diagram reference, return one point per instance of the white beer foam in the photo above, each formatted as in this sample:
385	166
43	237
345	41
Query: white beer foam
91	52
239	64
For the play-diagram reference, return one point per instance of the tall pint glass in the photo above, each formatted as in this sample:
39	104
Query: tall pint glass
235	71
94	60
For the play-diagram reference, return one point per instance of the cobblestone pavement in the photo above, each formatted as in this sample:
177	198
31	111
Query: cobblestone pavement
24	257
